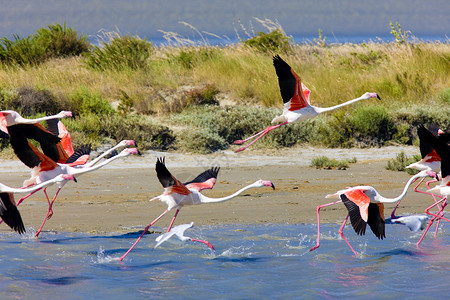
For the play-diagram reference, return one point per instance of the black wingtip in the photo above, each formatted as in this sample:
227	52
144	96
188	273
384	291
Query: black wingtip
378	97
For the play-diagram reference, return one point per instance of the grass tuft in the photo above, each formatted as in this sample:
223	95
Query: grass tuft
323	162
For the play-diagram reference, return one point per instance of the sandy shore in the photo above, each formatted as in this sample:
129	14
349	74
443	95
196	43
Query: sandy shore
115	198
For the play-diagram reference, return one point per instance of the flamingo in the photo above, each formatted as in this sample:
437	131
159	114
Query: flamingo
179	232
49	169
443	150
20	129
430	159
176	194
8	209
365	206
62	152
296	101
413	222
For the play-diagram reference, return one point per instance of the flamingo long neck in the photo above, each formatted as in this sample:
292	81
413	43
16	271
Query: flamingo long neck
96	160
7	189
75	171
403	194
205	199
38	120
325	109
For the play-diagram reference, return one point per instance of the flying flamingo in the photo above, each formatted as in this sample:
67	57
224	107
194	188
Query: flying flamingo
60	149
443	150
8	209
430	160
365	206
179	232
296	101
413	222
177	194
20	129
49	169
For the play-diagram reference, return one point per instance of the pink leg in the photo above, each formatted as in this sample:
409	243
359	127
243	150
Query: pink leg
204	242
341	231
145	230
173	220
438	216
425	231
261	134
49	211
318	223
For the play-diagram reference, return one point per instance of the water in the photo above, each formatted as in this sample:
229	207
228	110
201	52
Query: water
257	261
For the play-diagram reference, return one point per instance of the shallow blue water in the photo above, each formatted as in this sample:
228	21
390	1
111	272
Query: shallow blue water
257	261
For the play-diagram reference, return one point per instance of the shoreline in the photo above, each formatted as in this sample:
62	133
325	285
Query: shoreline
115	198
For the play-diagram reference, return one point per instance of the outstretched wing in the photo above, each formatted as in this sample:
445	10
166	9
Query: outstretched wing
56	127
425	146
294	93
170	183
442	149
10	214
204	180
177	230
19	135
357	204
80	156
376	219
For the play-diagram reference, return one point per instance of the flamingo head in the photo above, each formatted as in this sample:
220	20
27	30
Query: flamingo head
426	173
66	177
129	151
124	143
371	95
261	183
65	113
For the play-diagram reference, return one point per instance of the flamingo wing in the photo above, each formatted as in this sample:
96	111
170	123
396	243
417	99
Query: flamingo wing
170	183
56	127
425	147
80	156
10	214
441	147
357	204
294	93
376	219
19	135
204	180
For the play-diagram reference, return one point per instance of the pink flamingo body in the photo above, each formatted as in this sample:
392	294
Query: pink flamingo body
365	206
176	194
8	208
443	150
295	96
430	161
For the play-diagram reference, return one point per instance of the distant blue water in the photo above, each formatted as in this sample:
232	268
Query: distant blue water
257	261
352	39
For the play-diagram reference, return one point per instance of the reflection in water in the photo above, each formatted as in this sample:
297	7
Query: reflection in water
264	261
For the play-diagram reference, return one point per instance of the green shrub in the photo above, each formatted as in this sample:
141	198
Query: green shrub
61	41
323	162
121	53
400	162
371	125
200	141
190	57
202	96
83	102
51	42
6	97
272	42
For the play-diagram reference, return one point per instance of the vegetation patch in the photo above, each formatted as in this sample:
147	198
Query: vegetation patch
400	162
323	162
122	53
